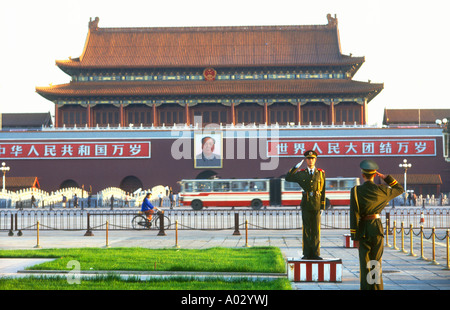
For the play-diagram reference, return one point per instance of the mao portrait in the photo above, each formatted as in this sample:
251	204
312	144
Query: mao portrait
208	151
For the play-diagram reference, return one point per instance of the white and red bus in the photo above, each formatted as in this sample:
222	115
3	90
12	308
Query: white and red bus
256	193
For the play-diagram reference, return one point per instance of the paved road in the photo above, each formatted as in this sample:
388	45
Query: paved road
400	271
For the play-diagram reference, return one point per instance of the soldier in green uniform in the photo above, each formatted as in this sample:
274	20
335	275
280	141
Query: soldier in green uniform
312	181
366	203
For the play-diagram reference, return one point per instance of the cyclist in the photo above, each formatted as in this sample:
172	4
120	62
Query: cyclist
147	208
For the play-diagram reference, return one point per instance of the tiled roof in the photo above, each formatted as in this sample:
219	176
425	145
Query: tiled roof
16	183
336	87
419	179
239	46
414	116
25	120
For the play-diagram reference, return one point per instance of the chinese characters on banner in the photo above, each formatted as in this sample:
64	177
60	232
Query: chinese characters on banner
353	147
85	149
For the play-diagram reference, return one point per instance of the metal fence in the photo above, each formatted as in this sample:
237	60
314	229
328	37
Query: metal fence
208	219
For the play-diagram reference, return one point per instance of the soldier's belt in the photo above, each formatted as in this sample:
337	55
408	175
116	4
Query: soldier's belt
370	217
311	194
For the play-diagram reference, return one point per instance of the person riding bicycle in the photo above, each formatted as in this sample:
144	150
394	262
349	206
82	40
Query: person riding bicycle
147	208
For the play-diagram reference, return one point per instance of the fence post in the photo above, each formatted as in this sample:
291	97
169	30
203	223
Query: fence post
394	232
236	225
161	225
246	234
403	238
448	250
387	230
421	244
88	231
433	239
107	239
11	233
176	235
411	253
37	234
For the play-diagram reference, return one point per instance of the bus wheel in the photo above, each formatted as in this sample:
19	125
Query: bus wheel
196	204
327	204
256	204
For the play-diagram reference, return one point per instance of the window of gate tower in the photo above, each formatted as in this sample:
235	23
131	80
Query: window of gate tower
315	113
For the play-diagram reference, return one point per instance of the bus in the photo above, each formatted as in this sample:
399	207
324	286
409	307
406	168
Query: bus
256	193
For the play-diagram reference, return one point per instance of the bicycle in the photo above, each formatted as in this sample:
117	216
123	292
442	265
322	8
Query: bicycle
140	221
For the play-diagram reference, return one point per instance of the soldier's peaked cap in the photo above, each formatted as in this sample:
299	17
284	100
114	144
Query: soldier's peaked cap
310	154
368	166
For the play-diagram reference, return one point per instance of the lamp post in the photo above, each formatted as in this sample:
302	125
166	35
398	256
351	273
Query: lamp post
4	169
446	135
405	165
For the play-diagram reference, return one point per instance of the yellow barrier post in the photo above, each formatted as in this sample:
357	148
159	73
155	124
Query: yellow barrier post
38	246
422	257
433	239
448	250
402	229
176	234
246	234
387	233
394	236
411	253
107	229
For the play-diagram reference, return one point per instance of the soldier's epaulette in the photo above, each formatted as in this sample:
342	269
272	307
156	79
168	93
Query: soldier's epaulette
321	170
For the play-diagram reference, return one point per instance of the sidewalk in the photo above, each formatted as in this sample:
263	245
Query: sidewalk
400	271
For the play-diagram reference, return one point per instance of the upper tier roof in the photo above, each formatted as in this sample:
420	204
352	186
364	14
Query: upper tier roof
201	47
334	87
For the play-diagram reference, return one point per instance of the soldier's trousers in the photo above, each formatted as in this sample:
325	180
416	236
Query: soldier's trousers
370	253
311	233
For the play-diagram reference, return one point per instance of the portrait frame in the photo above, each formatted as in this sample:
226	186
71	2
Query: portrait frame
200	162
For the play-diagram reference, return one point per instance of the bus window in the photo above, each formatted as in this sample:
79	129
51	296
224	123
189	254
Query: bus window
258	186
239	186
331	185
292	186
347	184
221	186
188	187
202	186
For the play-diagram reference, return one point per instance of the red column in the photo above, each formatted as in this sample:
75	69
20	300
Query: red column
121	117
332	114
233	113
186	111
266	113
88	116
56	125
363	113
299	113
155	118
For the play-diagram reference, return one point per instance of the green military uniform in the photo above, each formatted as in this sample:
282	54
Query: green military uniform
313	200
366	203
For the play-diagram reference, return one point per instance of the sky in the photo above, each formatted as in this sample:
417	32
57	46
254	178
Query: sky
405	43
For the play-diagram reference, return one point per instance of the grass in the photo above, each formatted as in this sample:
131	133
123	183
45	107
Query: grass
255	259
114	282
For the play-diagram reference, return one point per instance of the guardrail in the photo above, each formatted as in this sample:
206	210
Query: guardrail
209	219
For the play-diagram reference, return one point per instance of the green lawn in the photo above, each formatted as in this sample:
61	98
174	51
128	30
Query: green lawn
255	259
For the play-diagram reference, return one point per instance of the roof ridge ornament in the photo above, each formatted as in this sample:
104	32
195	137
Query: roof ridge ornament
332	21
93	24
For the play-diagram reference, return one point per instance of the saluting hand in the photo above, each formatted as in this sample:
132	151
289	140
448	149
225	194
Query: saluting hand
381	175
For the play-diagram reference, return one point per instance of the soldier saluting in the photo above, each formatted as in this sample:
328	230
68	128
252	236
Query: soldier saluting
312	181
366	203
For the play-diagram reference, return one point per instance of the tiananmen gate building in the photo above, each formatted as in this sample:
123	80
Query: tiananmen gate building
141	102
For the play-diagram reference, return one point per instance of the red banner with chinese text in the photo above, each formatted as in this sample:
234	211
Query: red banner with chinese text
80	149
352	147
